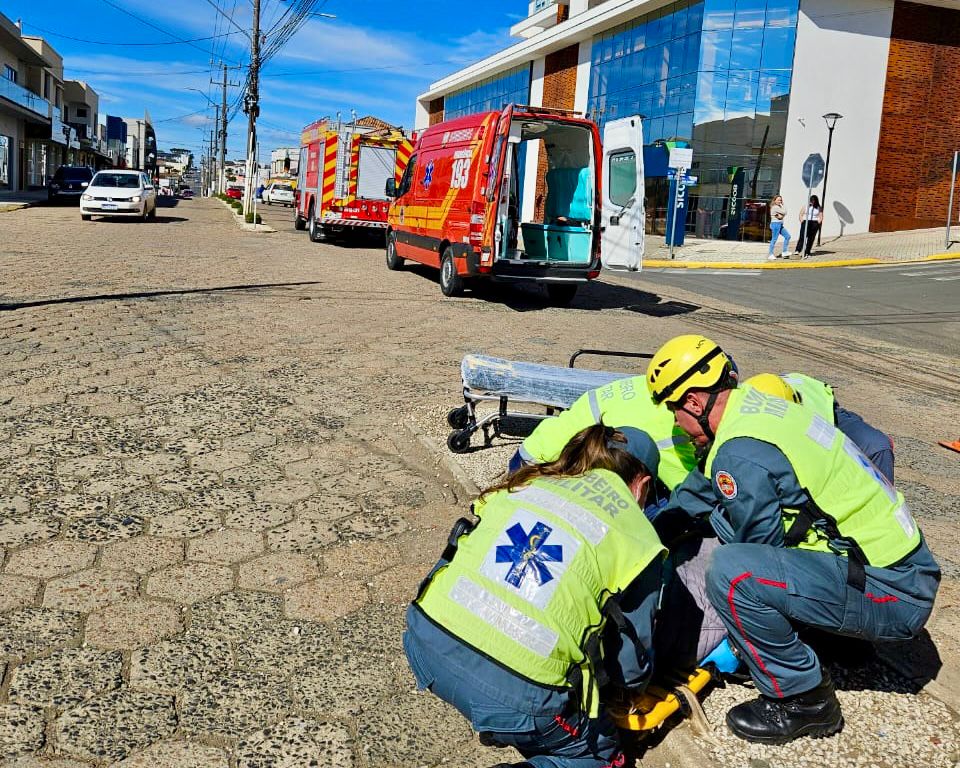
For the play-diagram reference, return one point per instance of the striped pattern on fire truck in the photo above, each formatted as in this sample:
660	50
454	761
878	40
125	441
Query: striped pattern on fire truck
404	150
331	219
329	170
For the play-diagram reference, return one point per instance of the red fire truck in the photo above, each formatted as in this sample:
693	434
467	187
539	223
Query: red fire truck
343	174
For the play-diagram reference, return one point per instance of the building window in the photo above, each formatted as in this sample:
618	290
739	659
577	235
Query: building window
81	111
511	87
715	73
10	73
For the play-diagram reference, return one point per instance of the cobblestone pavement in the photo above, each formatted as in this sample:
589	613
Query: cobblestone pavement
216	496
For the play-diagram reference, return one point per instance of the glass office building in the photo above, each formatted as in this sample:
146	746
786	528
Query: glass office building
510	87
716	74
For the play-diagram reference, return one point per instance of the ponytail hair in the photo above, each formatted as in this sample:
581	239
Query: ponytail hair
596	447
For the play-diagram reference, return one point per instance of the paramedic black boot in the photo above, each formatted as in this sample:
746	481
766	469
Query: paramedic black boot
815	713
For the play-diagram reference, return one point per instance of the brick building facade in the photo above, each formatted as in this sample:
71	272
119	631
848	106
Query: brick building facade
920	127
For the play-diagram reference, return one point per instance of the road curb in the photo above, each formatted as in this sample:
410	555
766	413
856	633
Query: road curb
661	263
241	222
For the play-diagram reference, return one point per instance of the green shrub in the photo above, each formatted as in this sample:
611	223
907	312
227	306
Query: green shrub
249	218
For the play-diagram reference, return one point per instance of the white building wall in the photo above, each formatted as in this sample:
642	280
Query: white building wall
840	65
583	75
529	203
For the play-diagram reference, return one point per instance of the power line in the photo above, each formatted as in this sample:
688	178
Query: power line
154	26
112	43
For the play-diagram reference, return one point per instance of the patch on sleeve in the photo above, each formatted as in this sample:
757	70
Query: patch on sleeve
726	484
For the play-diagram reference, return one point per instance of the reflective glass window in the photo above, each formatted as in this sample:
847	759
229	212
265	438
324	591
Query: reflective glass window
675	57
715	51
718	14
750	14
782	13
778	46
745	49
490	94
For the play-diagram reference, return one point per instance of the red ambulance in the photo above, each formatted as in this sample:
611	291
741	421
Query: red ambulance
523	194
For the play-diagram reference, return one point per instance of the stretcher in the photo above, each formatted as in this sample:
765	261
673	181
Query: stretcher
542	390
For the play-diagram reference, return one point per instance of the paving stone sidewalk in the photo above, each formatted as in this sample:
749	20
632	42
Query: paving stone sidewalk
215	501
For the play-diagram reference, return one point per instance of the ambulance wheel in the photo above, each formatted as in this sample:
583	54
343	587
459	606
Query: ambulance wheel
393	260
451	284
561	294
299	224
458	418
459	441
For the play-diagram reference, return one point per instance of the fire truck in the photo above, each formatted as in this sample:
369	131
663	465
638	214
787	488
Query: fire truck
343	174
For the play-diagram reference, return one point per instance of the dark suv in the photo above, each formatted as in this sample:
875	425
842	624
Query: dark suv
69	182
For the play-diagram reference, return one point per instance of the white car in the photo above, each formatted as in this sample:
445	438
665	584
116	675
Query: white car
280	194
119	193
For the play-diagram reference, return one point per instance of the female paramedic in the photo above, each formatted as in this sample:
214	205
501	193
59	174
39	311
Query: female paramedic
547	599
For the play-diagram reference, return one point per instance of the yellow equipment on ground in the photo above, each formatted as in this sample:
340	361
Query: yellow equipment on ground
651	708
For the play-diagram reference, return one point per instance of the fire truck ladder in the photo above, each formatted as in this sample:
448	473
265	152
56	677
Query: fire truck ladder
344	147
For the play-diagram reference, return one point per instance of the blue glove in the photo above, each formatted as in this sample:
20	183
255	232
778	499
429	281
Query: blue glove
723	658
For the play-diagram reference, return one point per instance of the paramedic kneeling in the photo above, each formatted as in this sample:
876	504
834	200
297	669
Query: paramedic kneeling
814	535
625	402
548	598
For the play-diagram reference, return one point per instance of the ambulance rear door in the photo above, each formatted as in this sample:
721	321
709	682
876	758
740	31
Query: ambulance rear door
623	214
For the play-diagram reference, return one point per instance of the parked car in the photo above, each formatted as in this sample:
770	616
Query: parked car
186	193
68	182
278	194
119	193
235	192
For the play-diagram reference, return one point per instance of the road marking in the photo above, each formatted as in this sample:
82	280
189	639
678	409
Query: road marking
941	279
928	272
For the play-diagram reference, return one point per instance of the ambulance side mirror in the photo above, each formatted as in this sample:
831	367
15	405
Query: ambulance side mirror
391	189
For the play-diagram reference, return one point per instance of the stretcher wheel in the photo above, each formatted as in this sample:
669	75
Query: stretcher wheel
459	441
458	418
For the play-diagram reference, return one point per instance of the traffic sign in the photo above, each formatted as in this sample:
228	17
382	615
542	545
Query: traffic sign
680	158
813	168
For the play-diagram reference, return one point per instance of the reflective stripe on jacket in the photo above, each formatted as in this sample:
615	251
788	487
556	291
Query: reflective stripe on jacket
527	586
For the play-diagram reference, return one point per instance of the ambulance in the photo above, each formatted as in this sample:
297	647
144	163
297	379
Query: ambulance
525	194
342	171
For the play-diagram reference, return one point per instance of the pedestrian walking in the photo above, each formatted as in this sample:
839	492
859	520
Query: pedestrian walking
811	220
511	626
813	535
778	213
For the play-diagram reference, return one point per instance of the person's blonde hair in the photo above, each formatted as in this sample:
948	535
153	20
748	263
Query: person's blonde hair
773	200
592	448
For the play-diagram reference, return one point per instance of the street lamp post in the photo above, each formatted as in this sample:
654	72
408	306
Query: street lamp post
831	119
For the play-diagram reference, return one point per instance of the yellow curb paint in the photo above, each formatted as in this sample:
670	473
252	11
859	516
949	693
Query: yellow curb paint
659	263
756	265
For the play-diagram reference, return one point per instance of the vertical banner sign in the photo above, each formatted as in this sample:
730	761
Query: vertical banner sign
677	207
735	203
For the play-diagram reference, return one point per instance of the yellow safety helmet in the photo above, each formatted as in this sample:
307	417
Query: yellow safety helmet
685	363
771	384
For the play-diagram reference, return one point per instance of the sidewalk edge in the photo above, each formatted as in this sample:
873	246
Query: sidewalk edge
665	263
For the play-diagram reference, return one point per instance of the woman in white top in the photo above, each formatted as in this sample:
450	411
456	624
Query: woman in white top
778	213
812	219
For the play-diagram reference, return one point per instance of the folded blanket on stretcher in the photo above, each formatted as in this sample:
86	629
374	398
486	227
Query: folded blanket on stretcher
548	385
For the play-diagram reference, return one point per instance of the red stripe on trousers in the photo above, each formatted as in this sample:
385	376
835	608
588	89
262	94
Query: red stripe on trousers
736	618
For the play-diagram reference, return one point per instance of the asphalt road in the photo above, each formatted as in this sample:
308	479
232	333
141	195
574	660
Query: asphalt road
912	305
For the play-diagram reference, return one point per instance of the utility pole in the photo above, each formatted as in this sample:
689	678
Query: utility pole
252	108
210	175
223	133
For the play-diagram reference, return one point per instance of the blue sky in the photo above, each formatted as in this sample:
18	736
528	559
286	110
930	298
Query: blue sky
374	57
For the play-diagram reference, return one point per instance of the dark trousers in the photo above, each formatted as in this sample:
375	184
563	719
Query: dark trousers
808	234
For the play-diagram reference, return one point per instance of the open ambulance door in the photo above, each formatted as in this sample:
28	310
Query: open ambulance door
623	214
499	182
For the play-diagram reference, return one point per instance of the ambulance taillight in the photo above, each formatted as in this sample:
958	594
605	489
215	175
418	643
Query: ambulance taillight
475	232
